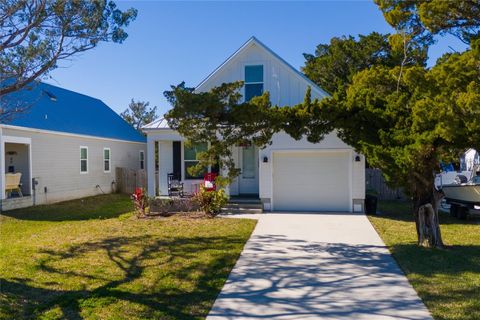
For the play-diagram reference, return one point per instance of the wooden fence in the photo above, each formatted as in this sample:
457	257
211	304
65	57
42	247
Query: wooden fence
129	179
374	180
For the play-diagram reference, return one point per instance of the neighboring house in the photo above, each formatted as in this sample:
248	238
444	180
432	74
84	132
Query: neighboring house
66	145
286	175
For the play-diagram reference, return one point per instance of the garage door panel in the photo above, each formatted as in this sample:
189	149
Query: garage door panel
311	181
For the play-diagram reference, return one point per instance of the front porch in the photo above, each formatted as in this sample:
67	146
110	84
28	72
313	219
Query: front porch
169	154
16	172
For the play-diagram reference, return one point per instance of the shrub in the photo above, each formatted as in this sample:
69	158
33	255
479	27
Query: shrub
211	202
168	207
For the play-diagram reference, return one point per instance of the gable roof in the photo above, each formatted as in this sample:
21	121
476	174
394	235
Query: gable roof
255	41
163	124
56	109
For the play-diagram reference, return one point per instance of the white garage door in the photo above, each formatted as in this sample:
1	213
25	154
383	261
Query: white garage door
311	181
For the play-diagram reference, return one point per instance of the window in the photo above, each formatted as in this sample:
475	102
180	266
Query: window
253	81
248	162
83	160
106	159
190	156
142	160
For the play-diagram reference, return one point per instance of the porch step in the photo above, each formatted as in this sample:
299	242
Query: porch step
241	210
236	205
243	206
244	200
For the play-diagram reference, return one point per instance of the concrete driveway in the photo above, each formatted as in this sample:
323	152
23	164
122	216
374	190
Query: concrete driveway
316	266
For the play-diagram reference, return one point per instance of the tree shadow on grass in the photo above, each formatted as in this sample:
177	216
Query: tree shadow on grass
283	277
97	207
439	277
141	271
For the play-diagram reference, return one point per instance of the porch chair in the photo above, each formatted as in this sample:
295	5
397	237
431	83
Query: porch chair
175	186
209	181
12	183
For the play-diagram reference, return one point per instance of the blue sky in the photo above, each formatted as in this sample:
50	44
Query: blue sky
170	42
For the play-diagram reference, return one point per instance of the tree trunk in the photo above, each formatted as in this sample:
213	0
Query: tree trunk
426	219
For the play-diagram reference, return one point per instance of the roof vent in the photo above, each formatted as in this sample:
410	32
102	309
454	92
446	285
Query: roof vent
50	95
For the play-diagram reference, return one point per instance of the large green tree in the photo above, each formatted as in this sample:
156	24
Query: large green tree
425	18
404	117
433	117
334	64
35	35
139	114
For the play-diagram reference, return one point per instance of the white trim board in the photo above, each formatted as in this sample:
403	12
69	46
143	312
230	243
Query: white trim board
6	126
20	140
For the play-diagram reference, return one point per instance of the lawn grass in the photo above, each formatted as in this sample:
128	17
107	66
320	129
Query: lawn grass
448	281
92	259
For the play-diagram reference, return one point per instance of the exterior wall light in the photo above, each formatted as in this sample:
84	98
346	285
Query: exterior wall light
265	159
357	158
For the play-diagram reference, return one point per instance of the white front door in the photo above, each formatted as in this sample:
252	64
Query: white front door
248	179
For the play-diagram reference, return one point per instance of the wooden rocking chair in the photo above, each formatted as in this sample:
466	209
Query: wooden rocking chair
175	186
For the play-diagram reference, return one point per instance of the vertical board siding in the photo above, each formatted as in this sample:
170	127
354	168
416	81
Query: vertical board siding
285	87
376	181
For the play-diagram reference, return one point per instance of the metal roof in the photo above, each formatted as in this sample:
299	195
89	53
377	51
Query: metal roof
157	124
56	109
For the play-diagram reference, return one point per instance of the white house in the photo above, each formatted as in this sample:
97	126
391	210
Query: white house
286	175
65	146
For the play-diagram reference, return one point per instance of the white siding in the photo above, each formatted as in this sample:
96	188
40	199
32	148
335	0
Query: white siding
358	178
286	87
56	164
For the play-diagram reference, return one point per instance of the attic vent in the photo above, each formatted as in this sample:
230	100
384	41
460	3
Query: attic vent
50	95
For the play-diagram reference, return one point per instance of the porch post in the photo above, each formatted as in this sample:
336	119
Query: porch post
151	166
2	166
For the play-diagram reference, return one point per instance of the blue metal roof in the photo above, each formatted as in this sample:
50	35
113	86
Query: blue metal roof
56	109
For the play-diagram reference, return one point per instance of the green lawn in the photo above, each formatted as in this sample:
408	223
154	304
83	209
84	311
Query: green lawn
448	281
92	259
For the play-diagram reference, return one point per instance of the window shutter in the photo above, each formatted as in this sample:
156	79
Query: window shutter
177	159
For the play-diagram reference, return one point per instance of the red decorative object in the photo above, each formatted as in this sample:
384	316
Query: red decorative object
209	181
138	193
140	201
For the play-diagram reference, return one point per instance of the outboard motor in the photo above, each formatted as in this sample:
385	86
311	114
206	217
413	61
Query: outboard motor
459	179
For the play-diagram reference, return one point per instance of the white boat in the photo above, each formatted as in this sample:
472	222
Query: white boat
463	193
